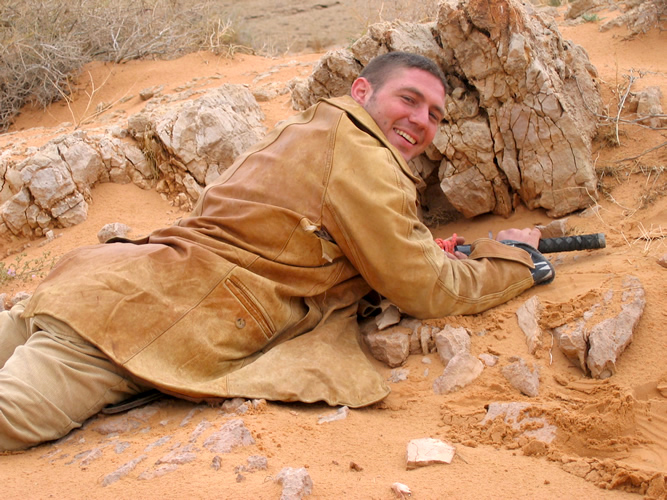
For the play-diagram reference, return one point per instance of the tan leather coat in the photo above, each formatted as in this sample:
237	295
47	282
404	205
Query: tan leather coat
255	293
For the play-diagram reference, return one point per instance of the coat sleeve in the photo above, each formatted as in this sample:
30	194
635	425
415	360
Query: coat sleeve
370	210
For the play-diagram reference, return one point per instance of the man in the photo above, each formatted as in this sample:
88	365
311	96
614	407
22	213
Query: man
255	294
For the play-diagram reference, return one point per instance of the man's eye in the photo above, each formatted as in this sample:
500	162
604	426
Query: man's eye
408	99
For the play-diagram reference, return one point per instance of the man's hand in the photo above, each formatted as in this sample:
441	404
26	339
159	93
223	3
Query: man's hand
527	235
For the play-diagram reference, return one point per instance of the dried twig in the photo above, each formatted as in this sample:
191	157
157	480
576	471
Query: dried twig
642	153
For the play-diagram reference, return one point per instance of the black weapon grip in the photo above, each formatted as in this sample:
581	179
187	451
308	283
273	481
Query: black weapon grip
561	244
571	243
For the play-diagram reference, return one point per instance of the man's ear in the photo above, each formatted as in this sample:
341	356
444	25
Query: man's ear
361	90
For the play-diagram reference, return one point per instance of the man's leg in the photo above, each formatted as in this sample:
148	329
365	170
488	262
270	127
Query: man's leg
13	331
53	382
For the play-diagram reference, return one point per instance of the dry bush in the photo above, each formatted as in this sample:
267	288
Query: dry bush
44	42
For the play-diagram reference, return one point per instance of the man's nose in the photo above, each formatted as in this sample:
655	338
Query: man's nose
420	116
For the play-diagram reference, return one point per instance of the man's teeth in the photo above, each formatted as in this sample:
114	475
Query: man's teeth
405	136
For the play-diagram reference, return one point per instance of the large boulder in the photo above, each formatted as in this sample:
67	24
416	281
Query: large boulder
194	141
520	113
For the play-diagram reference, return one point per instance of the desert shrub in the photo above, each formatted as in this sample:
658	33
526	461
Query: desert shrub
44	42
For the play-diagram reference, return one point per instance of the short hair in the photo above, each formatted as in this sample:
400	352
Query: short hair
381	67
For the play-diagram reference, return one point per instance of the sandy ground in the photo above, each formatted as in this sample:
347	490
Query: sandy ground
611	435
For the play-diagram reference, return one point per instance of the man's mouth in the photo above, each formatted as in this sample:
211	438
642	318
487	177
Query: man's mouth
405	136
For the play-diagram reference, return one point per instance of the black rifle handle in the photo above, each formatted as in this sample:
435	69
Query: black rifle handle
561	244
572	243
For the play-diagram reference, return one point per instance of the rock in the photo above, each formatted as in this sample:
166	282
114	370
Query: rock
663	260
398	375
401	490
233	405
572	340
123	470
150	92
640	18
522	377
461	370
157	472
340	414
488	359
157	443
391	346
428	451
231	435
450	341
555	229
518	417
426	338
199	430
608	339
113	230
257	462
296	483
389	316
528	316
178	456
649	106
595	344
580	7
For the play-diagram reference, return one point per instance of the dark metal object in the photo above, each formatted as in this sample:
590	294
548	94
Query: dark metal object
561	244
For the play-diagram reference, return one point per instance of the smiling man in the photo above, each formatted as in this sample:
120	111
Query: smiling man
255	294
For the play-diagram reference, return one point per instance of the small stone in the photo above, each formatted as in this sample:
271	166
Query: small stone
178	456
398	375
488	359
159	471
339	414
123	470
401	490
296	483
459	372
522	378
663	260
528	316
428	451
231	435
450	341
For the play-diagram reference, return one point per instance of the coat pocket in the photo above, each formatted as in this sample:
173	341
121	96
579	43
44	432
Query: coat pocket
252	307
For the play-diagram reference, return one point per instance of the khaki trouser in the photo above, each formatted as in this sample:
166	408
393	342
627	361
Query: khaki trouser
51	380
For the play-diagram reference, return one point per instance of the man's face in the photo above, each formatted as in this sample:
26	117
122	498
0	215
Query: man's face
408	108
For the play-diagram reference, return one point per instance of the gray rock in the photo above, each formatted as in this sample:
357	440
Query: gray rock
555	229
663	260
572	341
450	341
231	435
528	316
488	359
518	417
461	370
123	470
391	346
340	414
296	483
522	377
113	230
398	375
428	451
157	472
608	339
178	456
